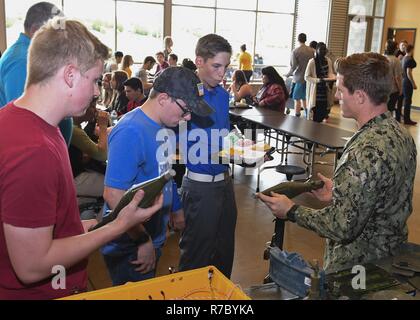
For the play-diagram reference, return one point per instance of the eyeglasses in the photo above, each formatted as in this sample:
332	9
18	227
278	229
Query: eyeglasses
186	111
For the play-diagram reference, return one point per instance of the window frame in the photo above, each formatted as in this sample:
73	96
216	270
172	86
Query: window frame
168	6
370	19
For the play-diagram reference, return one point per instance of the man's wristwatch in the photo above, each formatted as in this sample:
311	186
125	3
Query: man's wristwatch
142	239
291	213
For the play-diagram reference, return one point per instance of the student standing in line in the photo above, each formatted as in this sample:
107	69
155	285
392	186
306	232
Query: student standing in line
207	189
397	72
409	84
298	62
41	233
134	157
318	90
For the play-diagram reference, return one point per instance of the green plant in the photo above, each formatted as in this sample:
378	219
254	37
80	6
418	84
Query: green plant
157	34
97	25
9	22
140	30
120	28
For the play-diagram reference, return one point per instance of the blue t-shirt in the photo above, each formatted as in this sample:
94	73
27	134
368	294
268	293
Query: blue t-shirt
134	157
13	70
202	145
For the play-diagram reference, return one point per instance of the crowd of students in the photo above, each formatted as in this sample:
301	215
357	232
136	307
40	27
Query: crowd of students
39	185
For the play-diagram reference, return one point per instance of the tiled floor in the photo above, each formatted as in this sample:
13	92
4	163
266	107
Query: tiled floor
255	226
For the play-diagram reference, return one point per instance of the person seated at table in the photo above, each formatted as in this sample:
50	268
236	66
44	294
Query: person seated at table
319	92
126	64
273	94
371	194
240	87
119	101
162	64
134	92
143	74
173	60
112	64
106	92
83	149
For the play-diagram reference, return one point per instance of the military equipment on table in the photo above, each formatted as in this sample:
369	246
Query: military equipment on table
340	283
152	188
292	189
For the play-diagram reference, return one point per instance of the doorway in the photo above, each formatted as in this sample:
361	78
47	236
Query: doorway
400	34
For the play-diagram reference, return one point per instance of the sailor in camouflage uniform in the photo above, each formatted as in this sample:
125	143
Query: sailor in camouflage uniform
371	192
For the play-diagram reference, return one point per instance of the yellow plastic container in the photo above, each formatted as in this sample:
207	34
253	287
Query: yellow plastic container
200	284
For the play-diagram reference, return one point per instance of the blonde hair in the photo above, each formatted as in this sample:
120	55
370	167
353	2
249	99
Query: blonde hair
61	42
168	42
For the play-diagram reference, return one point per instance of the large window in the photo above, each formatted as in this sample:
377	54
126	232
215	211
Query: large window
285	6
227	25
241	5
101	25
188	25
312	19
271	51
200	3
361	7
15	17
264	26
366	23
139	29
378	26
268	28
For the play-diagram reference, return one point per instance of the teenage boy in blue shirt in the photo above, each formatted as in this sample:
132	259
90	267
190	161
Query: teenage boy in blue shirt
207	190
135	156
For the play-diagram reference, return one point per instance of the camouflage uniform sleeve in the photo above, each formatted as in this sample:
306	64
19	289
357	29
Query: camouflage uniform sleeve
358	181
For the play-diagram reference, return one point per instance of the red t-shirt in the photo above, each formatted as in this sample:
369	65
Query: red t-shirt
133	104
36	190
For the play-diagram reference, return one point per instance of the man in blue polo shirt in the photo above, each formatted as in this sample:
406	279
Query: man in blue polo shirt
207	189
135	156
13	63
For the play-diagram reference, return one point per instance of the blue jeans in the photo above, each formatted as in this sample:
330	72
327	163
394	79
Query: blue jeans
122	271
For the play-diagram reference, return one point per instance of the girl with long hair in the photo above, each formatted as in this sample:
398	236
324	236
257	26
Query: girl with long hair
126	64
119	101
240	87
273	94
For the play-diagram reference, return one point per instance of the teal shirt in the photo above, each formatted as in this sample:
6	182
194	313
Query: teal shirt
13	66
13	70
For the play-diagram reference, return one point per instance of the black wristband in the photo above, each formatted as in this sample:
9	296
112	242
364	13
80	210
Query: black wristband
291	214
142	239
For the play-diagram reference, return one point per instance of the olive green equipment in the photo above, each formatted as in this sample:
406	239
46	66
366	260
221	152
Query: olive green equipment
152	188
292	189
315	288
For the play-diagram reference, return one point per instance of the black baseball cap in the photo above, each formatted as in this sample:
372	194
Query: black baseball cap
182	83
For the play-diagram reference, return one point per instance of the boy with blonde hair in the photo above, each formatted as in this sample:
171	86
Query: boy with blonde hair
41	230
